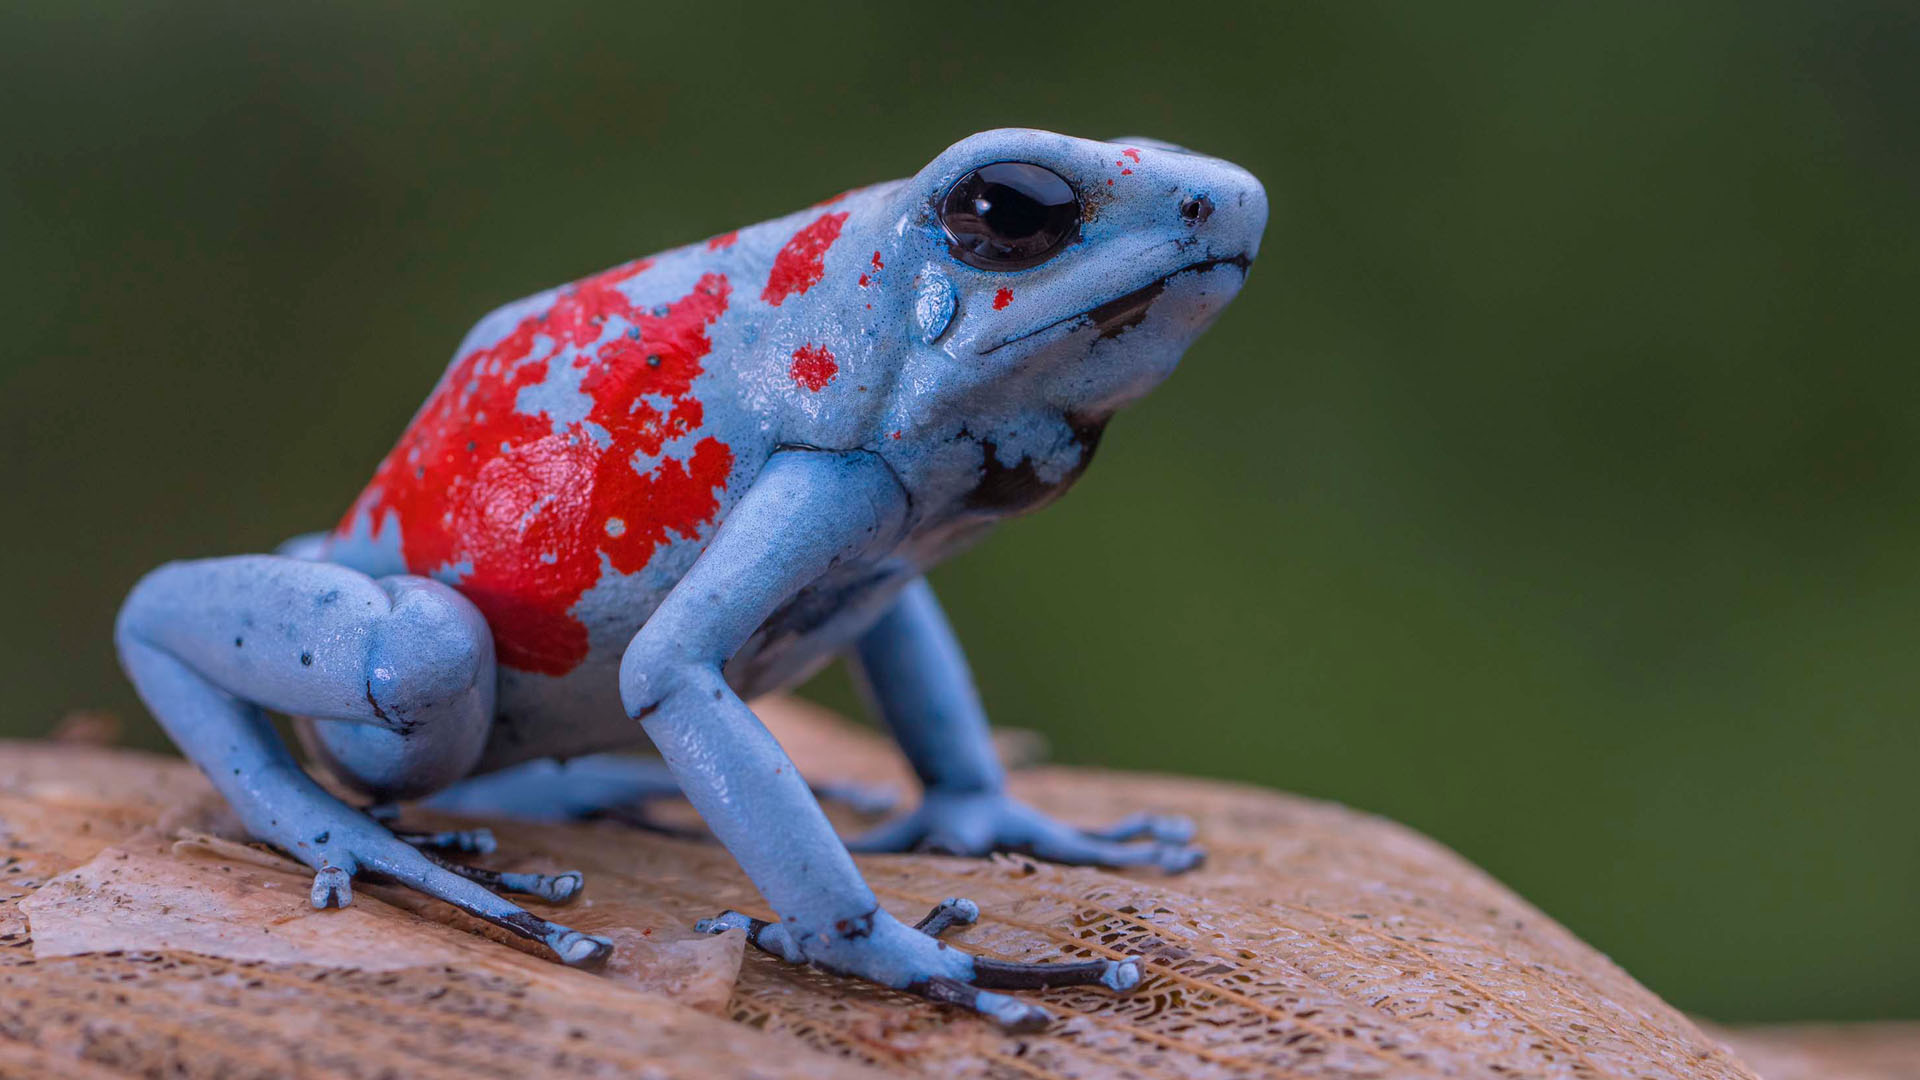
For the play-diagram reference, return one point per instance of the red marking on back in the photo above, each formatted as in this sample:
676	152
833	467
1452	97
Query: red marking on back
1126	172
813	367
724	240
865	281
1002	298
1132	153
528	512
831	199
877	264
800	264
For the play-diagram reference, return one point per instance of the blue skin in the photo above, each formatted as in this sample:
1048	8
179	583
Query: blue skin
949	412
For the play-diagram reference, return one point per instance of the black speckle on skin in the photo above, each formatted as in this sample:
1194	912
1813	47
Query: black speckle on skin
237	642
377	710
323	837
306	659
857	927
325	598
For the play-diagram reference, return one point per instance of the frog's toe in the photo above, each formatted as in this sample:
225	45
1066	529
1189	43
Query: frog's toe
579	949
332	888
1010	1013
1064	844
1162	828
557	888
951	912
457	841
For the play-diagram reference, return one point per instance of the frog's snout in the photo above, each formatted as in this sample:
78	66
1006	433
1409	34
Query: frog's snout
1226	207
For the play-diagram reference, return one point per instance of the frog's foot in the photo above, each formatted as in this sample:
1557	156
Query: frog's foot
883	950
472	889
620	787
417	653
974	823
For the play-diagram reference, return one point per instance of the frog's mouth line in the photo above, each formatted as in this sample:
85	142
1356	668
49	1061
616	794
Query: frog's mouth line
1124	311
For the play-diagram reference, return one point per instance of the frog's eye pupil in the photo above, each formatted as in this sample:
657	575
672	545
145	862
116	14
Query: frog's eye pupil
1009	215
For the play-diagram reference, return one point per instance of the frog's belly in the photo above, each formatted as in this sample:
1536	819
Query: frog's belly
580	712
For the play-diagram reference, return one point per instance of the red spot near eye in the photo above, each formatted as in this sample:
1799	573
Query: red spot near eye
525	509
877	264
1002	298
724	240
813	367
1132	153
801	263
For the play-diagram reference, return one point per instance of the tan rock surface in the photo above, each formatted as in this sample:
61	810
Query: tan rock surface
137	936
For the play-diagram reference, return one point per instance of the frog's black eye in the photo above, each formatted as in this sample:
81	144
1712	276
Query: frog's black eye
1009	215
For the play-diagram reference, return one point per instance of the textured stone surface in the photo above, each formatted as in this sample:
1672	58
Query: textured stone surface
1317	942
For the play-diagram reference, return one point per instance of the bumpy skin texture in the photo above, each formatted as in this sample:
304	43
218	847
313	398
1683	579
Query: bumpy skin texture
689	480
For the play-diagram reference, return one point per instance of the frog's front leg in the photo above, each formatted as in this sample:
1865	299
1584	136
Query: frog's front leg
398	674
807	511
917	679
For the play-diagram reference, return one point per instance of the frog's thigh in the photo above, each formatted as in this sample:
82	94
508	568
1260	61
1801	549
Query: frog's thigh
395	674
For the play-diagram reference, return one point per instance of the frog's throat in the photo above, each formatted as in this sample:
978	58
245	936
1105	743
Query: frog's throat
1127	309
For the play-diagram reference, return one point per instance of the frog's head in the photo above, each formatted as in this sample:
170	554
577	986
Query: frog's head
1069	270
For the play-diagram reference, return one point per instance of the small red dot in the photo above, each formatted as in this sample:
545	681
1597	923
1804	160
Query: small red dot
1002	298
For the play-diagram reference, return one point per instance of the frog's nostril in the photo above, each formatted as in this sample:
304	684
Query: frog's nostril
1196	210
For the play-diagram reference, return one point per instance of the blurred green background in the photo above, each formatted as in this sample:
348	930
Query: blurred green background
1551	488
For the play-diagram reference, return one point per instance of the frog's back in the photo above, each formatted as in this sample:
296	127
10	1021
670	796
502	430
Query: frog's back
574	457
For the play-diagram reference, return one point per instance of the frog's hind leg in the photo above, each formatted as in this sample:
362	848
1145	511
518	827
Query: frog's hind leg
399	670
617	786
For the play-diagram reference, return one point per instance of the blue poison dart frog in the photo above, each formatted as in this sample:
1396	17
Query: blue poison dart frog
635	502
